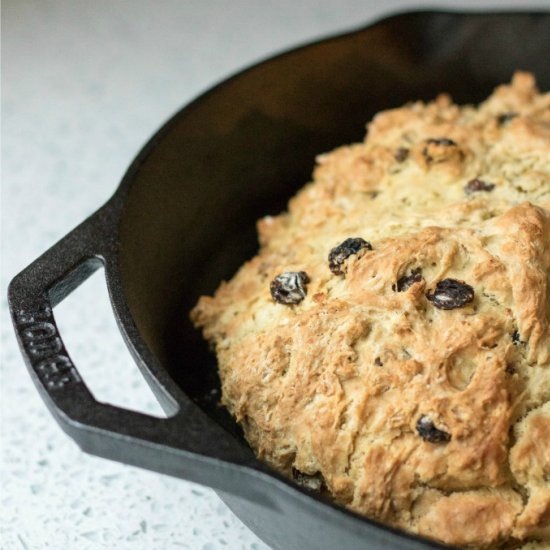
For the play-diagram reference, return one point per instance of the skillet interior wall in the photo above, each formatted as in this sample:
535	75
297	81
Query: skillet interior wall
244	149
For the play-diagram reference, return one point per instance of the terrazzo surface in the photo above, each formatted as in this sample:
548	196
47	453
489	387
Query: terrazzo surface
84	85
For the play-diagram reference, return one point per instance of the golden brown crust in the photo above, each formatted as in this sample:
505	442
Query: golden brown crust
337	384
474	518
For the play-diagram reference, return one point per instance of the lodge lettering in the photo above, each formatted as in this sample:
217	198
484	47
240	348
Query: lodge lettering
57	371
43	345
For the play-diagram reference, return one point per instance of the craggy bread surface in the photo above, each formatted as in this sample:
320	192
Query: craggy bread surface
429	418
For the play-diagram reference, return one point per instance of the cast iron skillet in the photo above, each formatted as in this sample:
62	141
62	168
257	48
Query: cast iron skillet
183	219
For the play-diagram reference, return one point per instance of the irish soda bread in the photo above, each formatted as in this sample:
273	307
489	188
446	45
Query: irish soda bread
390	343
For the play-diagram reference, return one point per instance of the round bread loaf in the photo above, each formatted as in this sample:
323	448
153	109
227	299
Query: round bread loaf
390	343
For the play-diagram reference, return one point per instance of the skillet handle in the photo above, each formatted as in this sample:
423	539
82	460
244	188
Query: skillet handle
187	444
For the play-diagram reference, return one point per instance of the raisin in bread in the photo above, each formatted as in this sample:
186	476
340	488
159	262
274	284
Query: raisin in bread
391	340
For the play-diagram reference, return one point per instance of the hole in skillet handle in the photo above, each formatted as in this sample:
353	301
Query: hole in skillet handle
89	331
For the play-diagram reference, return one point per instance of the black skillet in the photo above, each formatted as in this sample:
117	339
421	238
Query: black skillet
183	219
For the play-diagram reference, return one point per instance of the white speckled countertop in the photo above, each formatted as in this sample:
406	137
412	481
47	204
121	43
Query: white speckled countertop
85	83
